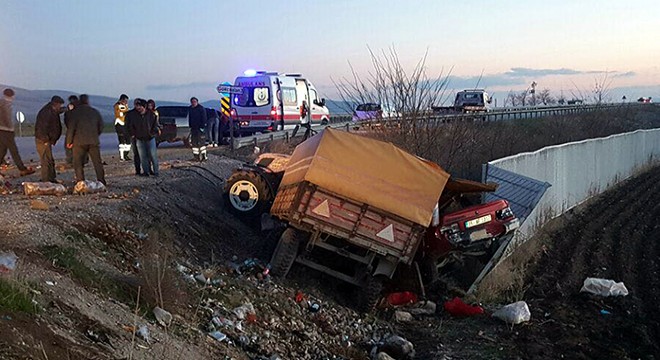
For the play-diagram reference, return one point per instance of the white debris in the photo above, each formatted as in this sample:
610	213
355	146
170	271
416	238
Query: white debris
513	314
604	287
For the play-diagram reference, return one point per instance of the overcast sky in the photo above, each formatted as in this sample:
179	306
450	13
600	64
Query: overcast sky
171	50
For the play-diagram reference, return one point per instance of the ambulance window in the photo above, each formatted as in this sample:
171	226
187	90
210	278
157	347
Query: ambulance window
289	97
312	95
261	97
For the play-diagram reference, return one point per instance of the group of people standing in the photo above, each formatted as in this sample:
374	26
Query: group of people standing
137	130
84	126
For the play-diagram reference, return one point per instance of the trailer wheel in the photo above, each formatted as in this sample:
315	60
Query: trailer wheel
247	194
285	252
372	293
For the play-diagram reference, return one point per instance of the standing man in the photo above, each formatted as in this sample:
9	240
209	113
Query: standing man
133	145
83	137
7	140
143	127
73	102
212	127
47	130
121	108
197	122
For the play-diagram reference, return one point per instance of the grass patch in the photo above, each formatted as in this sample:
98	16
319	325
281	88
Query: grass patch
15	298
67	258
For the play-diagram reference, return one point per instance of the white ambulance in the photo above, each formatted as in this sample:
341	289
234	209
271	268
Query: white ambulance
272	101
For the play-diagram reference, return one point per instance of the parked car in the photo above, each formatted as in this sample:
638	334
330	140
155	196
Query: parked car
369	111
174	123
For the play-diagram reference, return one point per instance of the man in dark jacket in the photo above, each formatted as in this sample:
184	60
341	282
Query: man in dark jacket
143	127
73	102
47	130
7	136
86	125
197	122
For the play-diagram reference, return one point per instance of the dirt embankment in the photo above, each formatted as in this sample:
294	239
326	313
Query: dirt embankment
84	259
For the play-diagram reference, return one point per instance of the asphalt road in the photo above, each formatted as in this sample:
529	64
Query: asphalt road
28	149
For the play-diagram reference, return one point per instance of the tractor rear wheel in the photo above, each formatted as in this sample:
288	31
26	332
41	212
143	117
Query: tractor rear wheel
286	252
247	194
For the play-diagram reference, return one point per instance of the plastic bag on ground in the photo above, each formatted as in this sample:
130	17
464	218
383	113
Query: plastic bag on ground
457	307
513	314
242	311
604	287
88	187
43	188
7	262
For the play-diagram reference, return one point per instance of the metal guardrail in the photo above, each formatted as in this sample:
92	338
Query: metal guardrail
495	115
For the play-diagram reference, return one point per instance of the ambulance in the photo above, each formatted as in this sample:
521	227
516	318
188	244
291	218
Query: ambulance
271	101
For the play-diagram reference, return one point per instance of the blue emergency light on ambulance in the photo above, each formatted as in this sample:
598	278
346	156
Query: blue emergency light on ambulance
273	101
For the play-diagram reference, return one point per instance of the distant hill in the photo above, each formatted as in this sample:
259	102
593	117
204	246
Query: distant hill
31	101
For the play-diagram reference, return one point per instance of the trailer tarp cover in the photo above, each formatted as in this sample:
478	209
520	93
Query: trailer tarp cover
369	171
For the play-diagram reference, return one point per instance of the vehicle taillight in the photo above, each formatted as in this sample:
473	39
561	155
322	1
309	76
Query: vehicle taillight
273	111
233	112
504	213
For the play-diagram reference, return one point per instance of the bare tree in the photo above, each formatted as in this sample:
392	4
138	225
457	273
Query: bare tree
406	97
601	89
546	98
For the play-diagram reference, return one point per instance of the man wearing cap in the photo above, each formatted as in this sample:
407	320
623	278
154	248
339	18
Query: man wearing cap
7	135
47	130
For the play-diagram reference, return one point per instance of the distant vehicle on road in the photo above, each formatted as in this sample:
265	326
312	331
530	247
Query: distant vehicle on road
645	100
467	101
369	111
271	101
174	122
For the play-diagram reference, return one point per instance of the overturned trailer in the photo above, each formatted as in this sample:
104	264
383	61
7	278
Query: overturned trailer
355	209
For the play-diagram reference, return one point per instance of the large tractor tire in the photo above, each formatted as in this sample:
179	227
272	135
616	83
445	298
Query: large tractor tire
247	194
286	252
372	293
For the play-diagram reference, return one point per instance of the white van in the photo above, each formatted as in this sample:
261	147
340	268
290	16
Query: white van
272	101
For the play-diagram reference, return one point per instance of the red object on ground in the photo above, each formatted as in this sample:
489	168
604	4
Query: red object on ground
251	318
300	296
457	307
401	298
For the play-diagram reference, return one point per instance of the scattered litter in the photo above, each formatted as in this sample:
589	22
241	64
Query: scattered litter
43	188
51	283
163	317
395	347
143	332
242	311
514	313
604	287
299	296
314	307
605	312
401	298
88	187
457	307
201	278
423	308
402	316
384	356
39	205
7	262
217	335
